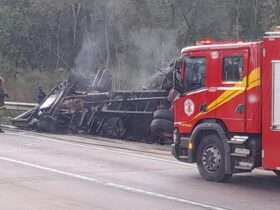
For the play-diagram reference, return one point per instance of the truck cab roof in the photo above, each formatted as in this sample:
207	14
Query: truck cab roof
219	46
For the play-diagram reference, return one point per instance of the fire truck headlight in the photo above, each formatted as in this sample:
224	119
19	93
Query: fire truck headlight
190	146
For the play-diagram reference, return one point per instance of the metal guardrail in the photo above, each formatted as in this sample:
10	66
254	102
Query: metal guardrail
19	106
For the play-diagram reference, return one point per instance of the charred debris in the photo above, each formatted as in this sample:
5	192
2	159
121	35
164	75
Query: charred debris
79	106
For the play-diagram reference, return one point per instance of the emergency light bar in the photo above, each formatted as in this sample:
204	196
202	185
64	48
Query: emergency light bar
212	42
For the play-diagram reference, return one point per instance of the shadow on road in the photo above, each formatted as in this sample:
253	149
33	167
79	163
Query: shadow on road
269	182
263	181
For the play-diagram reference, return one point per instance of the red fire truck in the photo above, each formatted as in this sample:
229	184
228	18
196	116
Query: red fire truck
227	115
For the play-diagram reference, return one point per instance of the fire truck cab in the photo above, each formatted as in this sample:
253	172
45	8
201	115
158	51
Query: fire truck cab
227	115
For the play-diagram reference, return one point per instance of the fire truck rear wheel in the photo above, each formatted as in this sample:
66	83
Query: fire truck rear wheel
277	172
211	159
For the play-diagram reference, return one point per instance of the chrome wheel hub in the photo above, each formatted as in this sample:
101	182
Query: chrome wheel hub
211	159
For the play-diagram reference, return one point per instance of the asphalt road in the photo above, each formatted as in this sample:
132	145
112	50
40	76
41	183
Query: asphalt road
67	172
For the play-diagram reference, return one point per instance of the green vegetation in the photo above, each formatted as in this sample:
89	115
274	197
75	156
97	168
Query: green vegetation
42	40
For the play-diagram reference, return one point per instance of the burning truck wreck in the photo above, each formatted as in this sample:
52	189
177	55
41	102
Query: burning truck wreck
76	105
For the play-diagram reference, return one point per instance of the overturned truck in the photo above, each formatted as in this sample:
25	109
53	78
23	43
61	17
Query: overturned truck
76	105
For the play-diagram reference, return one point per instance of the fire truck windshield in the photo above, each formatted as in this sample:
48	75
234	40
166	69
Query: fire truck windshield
194	73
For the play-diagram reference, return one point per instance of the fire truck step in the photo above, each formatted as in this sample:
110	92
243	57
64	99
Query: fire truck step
240	152
235	142
244	166
238	155
238	140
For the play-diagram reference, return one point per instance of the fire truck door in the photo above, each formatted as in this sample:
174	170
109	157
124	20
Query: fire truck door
192	105
231	90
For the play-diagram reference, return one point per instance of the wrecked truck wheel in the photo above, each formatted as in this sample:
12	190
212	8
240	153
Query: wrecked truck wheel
211	159
163	114
47	123
114	128
161	127
117	103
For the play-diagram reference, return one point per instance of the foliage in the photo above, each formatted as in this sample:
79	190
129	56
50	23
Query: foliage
134	38
37	34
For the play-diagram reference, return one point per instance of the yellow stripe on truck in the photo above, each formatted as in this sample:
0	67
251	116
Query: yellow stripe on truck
234	91
254	80
228	95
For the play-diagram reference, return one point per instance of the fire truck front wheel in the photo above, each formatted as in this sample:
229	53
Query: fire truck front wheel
211	159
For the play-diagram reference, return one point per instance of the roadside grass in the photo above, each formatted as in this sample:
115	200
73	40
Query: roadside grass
6	115
22	86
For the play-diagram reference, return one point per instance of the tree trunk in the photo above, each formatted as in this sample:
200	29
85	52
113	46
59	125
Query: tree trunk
58	40
256	8
236	20
107	42
277	12
189	26
76	8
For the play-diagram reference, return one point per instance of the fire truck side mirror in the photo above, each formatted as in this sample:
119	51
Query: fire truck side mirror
178	80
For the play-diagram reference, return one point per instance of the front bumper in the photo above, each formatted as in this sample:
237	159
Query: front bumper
181	150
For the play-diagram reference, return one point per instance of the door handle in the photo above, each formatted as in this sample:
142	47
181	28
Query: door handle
203	108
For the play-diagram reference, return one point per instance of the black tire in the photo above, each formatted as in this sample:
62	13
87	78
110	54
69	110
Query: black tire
277	173
163	114
116	105
211	159
114	128
161	127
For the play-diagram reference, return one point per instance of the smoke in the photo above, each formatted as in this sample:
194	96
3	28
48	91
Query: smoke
85	63
155	50
136	49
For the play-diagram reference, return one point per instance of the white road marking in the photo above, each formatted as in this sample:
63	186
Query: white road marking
101	148
113	185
